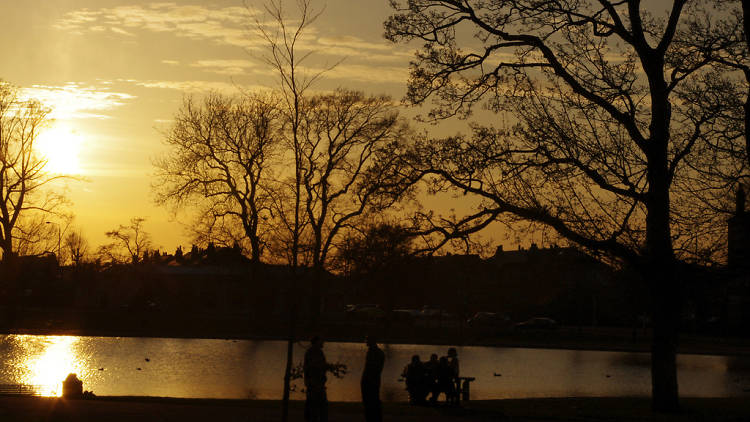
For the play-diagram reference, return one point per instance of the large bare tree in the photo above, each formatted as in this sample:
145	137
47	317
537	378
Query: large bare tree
600	128
218	157
283	36
350	166
286	56
25	201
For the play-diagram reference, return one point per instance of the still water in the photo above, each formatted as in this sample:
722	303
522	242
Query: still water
254	369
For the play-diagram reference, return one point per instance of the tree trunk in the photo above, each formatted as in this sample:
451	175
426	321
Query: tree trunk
255	253
289	359
659	272
658	266
747	120
316	296
316	291
6	244
666	313
746	24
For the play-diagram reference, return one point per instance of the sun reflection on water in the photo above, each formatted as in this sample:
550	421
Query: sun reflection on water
48	368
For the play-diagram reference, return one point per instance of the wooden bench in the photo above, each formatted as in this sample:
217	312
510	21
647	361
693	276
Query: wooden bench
20	390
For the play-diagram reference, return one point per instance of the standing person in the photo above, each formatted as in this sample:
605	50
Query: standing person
453	364
370	384
314	369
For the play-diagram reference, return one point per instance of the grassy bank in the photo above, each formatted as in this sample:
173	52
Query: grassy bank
121	409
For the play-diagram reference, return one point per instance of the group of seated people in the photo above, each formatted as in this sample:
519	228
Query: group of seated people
434	377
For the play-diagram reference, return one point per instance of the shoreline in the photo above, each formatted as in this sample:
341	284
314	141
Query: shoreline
690	345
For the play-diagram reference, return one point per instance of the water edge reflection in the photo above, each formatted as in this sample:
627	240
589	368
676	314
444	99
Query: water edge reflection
45	361
242	369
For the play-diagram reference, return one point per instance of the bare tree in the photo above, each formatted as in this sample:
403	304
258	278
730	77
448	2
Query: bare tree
722	38
284	56
600	136
24	202
350	167
715	33
42	233
128	243
376	247
218	156
76	247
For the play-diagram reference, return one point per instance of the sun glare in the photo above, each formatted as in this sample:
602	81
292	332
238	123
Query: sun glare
49	369
61	146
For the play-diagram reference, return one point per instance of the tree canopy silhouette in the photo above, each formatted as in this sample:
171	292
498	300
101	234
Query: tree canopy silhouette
220	155
600	128
25	203
350	163
129	243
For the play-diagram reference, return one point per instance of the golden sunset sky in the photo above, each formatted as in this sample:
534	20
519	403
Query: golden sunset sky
114	72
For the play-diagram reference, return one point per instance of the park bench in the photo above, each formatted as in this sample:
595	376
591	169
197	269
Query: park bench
464	387
20	390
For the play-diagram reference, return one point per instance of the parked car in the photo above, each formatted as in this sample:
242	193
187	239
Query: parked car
404	315
360	306
487	319
430	312
365	312
538	323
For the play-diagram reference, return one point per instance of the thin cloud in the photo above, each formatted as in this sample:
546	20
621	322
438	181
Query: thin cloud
77	101
222	25
121	31
198	86
362	73
354	42
77	19
171	62
228	25
224	67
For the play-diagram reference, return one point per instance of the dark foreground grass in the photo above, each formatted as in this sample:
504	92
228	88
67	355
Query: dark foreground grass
132	409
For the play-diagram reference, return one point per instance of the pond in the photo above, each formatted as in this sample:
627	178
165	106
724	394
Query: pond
203	368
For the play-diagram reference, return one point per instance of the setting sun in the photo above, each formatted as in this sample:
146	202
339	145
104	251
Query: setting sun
60	145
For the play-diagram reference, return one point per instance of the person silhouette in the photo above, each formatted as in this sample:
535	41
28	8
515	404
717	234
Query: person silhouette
415	376
431	381
370	383
314	369
455	373
445	380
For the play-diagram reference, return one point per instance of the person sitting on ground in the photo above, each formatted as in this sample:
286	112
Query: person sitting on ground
415	376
